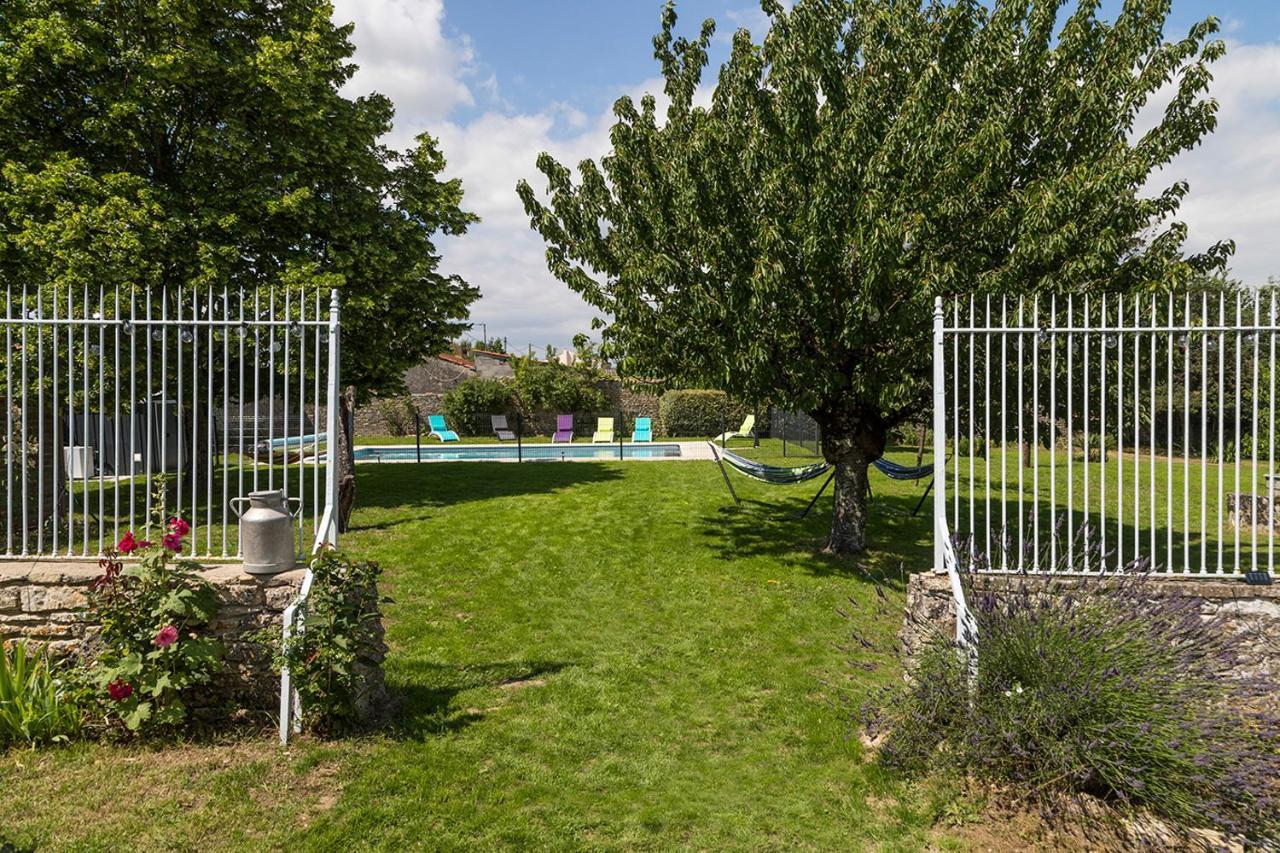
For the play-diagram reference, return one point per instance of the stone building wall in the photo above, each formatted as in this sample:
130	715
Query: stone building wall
1250	613
45	600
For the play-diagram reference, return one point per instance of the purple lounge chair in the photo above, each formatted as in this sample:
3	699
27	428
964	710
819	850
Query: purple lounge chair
564	428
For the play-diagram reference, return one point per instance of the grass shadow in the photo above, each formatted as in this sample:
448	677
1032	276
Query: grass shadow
443	484
424	695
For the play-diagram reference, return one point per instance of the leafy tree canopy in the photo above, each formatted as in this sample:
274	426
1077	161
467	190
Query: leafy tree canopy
205	144
783	235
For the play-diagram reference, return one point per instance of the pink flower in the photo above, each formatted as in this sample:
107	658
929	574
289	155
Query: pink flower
128	544
167	637
180	526
119	690
172	541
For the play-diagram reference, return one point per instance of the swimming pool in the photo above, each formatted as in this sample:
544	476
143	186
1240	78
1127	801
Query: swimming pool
509	452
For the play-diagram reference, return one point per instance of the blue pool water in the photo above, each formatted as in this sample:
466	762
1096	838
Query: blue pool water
531	452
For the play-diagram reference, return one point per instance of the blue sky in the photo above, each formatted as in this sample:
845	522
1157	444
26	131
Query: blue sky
498	81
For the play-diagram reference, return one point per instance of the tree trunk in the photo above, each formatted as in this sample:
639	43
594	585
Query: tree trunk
345	457
851	440
849	515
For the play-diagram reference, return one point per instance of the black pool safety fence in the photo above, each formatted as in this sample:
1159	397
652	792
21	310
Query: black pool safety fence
626	432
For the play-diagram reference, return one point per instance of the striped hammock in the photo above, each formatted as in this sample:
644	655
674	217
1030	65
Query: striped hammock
781	476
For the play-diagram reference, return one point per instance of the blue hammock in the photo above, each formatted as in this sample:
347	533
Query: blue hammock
777	475
894	471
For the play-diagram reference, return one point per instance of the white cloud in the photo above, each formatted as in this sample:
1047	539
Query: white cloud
1235	173
403	53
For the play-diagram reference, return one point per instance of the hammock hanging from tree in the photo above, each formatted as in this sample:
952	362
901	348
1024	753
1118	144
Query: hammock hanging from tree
777	475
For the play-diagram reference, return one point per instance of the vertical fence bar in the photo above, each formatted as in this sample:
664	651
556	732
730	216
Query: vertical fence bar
226	411
56	449
1222	385
1186	435
1004	430
40	436
84	420
1053	436
1168	438
939	438
1120	433
1070	431
257	382
179	402
331	469
986	427
1035	434
1102	437
1137	423
1271	435
955	371
271	390
1151	436
331	439
1021	451
23	443
115	420
210	439
8	419
1235	379
1085	347
972	447
1254	515
1205	344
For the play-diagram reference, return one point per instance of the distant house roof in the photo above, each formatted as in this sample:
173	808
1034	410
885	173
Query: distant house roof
501	356
457	359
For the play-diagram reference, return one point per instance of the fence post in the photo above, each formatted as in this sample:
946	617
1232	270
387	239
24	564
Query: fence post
417	429
330	534
621	425
519	437
939	438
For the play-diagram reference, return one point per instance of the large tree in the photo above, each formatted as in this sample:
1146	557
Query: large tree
783	235
205	143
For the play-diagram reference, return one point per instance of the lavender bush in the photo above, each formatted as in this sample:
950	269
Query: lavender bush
1103	687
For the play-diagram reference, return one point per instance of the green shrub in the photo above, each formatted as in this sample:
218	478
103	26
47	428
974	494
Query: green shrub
153	646
37	706
397	413
1109	689
554	387
342	627
468	405
699	413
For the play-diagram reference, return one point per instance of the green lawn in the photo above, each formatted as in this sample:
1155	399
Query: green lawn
588	655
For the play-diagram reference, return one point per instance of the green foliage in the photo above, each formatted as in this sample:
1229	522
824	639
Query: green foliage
1112	689
150	649
37	704
207	144
397	413
786	240
468	405
341	626
694	412
543	387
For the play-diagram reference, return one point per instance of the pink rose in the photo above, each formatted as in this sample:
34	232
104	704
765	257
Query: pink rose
180	526
172	541
167	637
119	690
128	544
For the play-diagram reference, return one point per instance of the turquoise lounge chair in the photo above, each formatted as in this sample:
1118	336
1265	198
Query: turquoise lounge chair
643	431
439	429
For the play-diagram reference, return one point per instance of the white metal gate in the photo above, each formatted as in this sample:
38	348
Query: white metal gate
1085	434
223	392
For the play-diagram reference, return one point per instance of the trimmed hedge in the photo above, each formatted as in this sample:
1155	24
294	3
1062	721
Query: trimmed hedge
699	413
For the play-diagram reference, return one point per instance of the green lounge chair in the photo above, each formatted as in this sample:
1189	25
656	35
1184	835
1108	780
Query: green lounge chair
604	430
746	429
439	429
643	431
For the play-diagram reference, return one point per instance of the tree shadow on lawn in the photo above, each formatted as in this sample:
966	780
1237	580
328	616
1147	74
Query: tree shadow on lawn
441	484
771	529
424	694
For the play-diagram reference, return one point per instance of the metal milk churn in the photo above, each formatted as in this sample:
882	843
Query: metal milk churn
266	532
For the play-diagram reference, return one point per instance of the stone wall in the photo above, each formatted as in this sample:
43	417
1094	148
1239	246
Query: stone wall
44	601
1250	613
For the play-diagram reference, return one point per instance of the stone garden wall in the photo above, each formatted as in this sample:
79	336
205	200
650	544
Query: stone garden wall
44	601
1251	613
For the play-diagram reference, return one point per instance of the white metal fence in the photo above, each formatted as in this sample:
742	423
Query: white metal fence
1086	434
222	392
